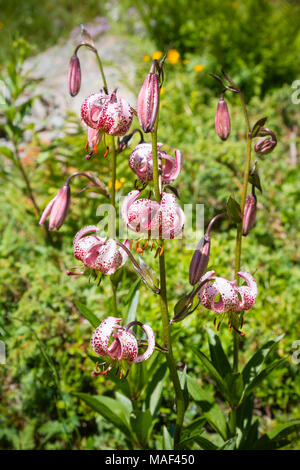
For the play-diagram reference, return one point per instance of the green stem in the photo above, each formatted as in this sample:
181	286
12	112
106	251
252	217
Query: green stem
164	307
112	151
238	246
114	298
101	71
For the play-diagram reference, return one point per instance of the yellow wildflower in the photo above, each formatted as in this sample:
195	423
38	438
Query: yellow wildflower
198	68
146	58
173	56
156	55
118	185
162	90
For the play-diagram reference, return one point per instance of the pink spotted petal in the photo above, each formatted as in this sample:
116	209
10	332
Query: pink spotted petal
229	299
127	348
172	216
150	347
109	258
126	204
248	293
102	334
172	168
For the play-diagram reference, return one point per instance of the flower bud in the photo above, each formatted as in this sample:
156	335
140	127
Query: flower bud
265	146
57	208
199	260
74	76
249	214
148	100
60	208
222	120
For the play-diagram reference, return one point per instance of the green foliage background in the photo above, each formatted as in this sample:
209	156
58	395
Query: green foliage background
47	338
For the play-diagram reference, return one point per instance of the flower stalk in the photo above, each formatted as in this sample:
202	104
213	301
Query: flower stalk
164	305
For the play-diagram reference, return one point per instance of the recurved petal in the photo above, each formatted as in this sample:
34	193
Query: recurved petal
109	258
125	348
248	293
229	299
117	117
126	204
172	216
150	347
102	334
172	168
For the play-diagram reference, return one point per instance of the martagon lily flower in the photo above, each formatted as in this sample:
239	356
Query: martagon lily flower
232	298
107	113
164	219
124	346
98	253
141	163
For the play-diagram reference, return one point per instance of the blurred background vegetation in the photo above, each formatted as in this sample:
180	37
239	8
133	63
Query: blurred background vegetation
46	337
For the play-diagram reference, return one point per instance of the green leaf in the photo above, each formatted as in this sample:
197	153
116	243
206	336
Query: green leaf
131	315
235	386
137	379
257	126
167	440
109	408
229	445
194	427
183	384
255	364
8	153
122	383
198	394
234	210
262	375
214	373
249	436
254	179
217	420
283	430
88	314
142	425
245	413
154	389
130	294
204	443
26	437
217	354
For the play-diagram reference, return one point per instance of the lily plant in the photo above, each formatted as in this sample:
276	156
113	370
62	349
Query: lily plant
156	220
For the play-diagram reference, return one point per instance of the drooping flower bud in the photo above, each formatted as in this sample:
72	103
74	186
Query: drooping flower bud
57	208
222	120
265	146
249	214
74	75
148	100
200	260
